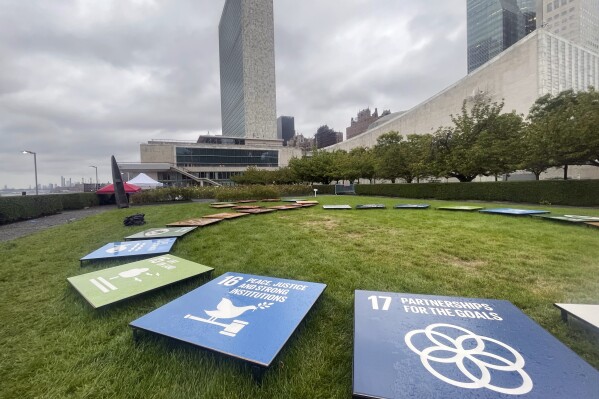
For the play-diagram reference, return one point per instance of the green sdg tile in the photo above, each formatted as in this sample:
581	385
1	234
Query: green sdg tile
108	286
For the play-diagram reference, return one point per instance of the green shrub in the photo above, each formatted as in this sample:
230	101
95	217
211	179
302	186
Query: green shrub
556	192
219	193
78	200
325	189
13	209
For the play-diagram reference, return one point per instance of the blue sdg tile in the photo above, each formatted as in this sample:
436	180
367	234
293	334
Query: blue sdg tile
513	211
115	250
410	346
241	315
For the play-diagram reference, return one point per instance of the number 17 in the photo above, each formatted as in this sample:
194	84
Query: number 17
375	303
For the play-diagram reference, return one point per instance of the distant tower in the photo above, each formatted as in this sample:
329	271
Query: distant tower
493	26
574	20
247	69
285	128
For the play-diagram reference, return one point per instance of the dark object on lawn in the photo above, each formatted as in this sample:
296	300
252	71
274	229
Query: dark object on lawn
134	220
122	201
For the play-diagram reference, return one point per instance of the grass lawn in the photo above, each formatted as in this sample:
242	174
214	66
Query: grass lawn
54	345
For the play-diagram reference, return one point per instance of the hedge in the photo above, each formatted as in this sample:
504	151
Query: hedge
23	207
229	193
554	192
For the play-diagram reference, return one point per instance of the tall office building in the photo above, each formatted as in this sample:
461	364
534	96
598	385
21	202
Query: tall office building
493	26
247	69
285	128
574	20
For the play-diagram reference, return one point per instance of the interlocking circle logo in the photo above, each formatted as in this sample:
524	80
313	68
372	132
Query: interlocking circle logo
463	347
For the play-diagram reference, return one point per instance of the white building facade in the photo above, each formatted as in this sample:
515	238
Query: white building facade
539	64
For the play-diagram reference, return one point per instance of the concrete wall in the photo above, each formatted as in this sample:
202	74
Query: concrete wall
157	153
511	76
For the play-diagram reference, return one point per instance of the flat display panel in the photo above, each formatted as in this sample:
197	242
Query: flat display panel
285	207
570	218
231	215
199	222
161	232
220	206
460	208
412	206
336	207
410	346
587	313
115	250
256	211
514	211
371	206
108	286
245	316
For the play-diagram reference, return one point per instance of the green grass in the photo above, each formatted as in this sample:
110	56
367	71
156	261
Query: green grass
53	344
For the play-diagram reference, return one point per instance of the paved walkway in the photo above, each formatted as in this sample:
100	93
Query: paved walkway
20	229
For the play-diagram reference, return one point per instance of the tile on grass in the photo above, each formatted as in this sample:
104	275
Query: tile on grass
221	216
292	199
460	208
256	211
411	206
245	316
422	346
285	207
161	232
115	284
221	206
270	200
371	206
240	207
588	314
513	211
569	218
198	222
125	249
334	207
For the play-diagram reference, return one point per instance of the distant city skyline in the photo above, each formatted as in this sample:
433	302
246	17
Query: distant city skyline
83	81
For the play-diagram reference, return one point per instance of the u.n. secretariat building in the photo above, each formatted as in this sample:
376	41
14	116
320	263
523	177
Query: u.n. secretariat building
248	108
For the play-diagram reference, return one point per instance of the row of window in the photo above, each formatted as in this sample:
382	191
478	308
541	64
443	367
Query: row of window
225	156
556	4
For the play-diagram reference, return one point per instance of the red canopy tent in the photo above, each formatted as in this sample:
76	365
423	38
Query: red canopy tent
109	189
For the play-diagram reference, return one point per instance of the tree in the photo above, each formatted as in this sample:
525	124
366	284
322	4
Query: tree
388	156
568	124
362	163
458	150
416	153
500	144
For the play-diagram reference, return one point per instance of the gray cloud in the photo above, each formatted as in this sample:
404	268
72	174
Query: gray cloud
83	80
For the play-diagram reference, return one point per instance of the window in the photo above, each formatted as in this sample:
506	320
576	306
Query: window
549	7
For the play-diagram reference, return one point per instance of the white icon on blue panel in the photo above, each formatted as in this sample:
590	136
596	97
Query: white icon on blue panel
459	346
227	310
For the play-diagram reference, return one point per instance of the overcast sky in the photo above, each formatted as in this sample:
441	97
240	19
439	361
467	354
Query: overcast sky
83	80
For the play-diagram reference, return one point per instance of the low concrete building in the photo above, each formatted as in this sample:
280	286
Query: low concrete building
210	160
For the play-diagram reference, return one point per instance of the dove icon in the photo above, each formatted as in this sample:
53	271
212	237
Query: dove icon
225	310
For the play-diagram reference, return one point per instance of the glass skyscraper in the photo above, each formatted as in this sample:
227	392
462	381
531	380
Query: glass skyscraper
247	69
495	25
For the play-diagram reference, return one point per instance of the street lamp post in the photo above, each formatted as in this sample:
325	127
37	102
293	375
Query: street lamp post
34	165
96	168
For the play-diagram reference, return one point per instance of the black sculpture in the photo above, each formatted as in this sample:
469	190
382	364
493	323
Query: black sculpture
119	189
